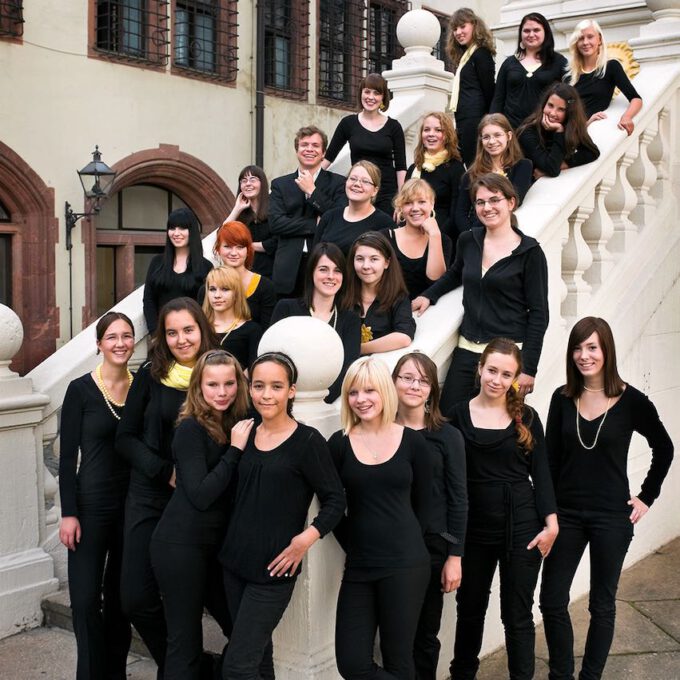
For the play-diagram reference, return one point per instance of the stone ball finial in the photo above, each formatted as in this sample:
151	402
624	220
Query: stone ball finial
314	347
418	30
11	337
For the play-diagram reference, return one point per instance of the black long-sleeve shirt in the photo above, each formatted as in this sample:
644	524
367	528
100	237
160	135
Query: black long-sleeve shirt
548	153
100	484
597	93
597	479
476	85
242	342
510	300
273	495
388	506
263	263
261	302
397	319
334	228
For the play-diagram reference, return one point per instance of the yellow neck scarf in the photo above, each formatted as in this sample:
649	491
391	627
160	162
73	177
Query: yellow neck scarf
453	104
178	377
430	162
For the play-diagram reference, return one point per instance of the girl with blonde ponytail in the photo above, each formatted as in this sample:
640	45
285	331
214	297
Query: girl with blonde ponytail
512	520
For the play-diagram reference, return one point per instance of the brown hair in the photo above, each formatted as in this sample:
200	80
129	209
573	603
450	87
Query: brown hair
514	403
336	256
374	81
483	162
217	426
450	138
547	52
433	415
308	131
373	172
497	184
582	330
283	360
411	189
249	215
109	318
481	35
226	277
235	234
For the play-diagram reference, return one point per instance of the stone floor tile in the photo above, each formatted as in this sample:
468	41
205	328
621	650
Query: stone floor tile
657	666
657	577
664	613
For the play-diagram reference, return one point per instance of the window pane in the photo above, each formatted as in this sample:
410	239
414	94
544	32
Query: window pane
143	257
145	207
133	27
6	269
181	37
106	278
204	37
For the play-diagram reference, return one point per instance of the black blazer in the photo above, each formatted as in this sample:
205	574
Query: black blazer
293	218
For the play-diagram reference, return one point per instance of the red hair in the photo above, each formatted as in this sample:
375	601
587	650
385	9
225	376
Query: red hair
235	234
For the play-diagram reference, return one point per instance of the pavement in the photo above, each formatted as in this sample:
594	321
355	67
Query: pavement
646	645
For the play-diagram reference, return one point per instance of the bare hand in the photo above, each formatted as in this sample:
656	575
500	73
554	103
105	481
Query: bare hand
526	384
173	479
430	227
626	124
258	247
544	541
600	115
240	433
287	562
550	125
639	509
305	182
451	574
420	305
69	532
242	203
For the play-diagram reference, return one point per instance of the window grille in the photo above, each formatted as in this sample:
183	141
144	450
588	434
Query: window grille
439	50
11	18
383	46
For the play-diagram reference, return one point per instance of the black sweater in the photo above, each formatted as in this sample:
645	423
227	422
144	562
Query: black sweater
397	319
334	228
242	342
261	302
476	85
347	326
87	425
387	506
597	93
260	231
198	511
510	491
510	300
273	495
547	151
518	92
598	479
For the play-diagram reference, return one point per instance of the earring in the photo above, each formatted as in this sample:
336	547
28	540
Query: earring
432	214
427	406
382	107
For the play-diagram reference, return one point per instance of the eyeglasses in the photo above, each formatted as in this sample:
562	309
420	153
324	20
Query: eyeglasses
359	180
493	201
494	137
410	380
249	180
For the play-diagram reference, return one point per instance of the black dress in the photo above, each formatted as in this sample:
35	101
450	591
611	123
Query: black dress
261	296
334	228
548	153
263	262
242	342
596	93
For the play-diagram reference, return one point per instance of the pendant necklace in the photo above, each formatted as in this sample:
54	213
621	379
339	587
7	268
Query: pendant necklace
106	394
597	434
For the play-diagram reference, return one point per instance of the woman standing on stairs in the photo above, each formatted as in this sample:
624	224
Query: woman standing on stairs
92	501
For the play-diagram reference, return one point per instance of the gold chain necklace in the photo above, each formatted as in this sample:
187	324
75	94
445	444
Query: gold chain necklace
597	434
105	392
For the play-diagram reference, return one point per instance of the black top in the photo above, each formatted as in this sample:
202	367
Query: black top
597	479
378	323
476	85
509	489
198	510
261	302
445	182
87	425
145	434
263	262
597	93
385	147
547	154
414	269
242	342
448	496
509	301
520	175
273	494
387	506
334	228
518	92
347	326
183	285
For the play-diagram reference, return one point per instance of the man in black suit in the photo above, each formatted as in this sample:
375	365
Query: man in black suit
296	203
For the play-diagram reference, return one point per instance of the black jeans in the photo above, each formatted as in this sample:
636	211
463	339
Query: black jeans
102	631
190	578
609	535
519	574
256	610
461	380
390	604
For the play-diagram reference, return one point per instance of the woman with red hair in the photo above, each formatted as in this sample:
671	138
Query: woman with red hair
234	248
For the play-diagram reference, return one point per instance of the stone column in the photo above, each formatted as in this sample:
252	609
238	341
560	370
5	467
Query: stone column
26	570
659	40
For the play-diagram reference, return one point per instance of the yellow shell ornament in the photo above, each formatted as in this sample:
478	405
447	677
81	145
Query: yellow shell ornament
622	52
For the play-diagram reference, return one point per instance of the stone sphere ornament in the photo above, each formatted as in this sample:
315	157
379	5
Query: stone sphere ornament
11	337
418	31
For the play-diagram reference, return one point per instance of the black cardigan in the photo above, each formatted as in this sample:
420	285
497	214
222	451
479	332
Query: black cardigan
476	85
547	154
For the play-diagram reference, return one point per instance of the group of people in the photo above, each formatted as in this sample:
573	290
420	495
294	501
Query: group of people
187	485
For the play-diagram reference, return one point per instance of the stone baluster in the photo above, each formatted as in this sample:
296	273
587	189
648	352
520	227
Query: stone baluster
619	202
597	230
642	175
576	260
658	152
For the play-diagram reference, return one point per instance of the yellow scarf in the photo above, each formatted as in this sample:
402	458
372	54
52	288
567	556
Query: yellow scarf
252	286
178	377
453	103
430	162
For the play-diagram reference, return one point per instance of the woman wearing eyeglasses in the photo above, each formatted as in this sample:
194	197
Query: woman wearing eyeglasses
505	290
344	225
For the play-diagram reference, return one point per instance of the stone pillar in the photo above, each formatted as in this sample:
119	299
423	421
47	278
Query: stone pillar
26	571
659	40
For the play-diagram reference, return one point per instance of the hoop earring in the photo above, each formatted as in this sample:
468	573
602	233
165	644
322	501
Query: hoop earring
427	406
382	107
433	215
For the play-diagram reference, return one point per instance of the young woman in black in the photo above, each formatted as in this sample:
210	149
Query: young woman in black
252	209
505	290
181	269
415	378
323	292
512	521
283	464
556	137
437	161
471	50
92	500
388	482
144	440
590	424
185	543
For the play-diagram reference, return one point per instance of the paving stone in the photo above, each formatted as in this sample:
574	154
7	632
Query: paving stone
664	613
657	577
495	667
657	666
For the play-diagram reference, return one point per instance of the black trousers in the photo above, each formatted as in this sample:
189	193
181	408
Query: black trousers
190	578
102	631
519	574
467	129
256	611
461	380
390	604
609	535
140	595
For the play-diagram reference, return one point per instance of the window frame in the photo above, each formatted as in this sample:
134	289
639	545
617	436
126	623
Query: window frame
443	20
12	20
398	8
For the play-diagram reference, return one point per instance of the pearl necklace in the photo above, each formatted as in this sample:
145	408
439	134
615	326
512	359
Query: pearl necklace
597	434
590	389
105	392
332	319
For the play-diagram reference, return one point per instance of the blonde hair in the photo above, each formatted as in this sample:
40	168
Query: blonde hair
481	35
373	372
412	189
372	170
229	278
575	70
450	138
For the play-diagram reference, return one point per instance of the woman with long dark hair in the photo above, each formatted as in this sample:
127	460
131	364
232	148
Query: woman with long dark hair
92	501
180	270
590	424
